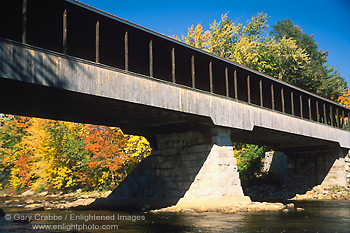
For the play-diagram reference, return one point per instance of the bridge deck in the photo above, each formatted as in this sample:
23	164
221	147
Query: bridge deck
53	85
71	28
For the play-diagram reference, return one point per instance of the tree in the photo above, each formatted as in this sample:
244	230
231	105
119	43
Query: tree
106	145
327	81
14	154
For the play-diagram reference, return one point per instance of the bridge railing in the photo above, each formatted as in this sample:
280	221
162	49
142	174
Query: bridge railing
78	30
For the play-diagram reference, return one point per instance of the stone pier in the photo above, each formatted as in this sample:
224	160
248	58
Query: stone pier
185	170
307	169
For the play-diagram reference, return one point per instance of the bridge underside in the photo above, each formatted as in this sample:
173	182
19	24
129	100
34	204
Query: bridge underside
20	98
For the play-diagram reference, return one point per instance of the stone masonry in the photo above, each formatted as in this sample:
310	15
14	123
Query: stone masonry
308	169
186	171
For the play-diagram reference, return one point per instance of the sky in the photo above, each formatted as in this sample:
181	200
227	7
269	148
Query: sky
327	20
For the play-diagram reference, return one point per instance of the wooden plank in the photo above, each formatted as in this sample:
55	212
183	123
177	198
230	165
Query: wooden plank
261	93
292	101
193	69
211	76
226	82
337	117
248	89
150	46
282	99
317	111
309	103
331	114
301	105
97	49
64	42
24	21
126	51
173	65
235	84
324	114
272	97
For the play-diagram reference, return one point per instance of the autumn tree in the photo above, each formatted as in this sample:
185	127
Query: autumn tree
326	81
107	147
14	154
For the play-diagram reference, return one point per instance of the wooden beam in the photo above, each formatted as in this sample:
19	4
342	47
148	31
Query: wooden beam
272	97
173	65
150	48
301	105
309	103
324	114
211	76
248	89
331	114
64	39
126	51
235	84
226	82
337	117
97	49
343	119
317	111
261	93
292	101
24	21
193	69
282	98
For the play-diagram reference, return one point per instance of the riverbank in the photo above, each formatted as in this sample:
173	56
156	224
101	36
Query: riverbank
60	201
272	192
47	201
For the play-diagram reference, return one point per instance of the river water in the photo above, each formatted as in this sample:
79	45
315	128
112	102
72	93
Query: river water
318	216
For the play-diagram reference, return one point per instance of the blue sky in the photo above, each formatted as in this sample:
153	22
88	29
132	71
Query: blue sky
327	20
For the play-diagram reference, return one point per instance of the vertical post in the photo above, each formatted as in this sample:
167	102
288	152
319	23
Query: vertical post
292	101
348	119
64	42
226	82
126	51
150	46
331	114
282	97
211	76
193	72
309	103
301	105
272	97
343	119
97	41
317	112
173	65
324	114
235	84
337	117
261	93
248	89
24	21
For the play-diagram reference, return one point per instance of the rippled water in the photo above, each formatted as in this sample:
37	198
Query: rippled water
318	216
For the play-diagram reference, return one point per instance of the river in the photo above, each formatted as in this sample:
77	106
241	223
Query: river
318	216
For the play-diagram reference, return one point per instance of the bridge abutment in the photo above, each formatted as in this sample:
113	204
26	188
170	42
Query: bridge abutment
185	170
306	169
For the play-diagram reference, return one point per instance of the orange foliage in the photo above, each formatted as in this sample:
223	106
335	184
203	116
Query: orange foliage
345	99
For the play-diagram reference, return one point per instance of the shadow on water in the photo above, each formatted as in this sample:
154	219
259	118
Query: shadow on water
318	216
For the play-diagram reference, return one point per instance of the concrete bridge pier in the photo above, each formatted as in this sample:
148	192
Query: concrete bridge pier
187	170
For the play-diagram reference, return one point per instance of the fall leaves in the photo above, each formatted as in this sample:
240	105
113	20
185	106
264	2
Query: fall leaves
47	155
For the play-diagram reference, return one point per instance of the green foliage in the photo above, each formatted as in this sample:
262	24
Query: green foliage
249	161
319	77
